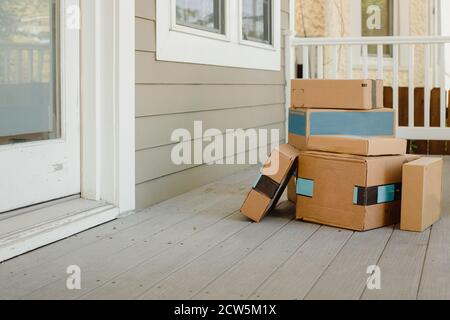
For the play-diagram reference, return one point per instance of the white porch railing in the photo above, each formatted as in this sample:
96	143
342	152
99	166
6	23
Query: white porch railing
402	48
24	63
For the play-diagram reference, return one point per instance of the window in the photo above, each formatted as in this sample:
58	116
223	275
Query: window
257	20
233	33
377	21
206	15
380	18
29	65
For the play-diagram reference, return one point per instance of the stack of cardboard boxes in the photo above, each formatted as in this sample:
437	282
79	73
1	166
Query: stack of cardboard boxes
346	168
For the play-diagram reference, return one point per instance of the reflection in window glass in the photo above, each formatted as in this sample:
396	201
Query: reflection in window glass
208	15
377	21
257	20
28	71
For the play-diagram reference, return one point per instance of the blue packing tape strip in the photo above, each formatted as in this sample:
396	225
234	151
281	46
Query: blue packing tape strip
297	124
386	193
352	123
305	187
257	180
343	123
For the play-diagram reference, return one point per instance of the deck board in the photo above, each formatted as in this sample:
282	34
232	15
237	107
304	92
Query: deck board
244	278
294	279
435	282
401	267
346	277
198	246
190	279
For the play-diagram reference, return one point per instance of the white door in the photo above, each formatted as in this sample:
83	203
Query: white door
39	102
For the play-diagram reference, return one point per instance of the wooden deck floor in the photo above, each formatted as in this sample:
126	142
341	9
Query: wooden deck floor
198	246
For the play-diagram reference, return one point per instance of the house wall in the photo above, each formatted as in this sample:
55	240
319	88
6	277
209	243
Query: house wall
173	95
332	18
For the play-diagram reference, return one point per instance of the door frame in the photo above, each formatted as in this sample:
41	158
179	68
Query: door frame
108	102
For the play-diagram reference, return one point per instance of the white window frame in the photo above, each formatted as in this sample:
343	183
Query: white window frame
401	27
189	45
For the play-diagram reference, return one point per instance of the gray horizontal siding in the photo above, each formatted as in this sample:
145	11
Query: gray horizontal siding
152	100
171	95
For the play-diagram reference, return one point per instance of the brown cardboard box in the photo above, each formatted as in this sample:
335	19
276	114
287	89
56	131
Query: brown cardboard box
275	175
337	94
351	192
422	194
304	123
364	146
292	194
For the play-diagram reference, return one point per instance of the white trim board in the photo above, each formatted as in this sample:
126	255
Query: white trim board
62	220
108	102
189	45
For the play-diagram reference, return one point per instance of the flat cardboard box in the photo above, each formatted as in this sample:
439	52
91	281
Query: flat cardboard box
337	94
350	192
292	186
304	123
364	146
268	189
422	194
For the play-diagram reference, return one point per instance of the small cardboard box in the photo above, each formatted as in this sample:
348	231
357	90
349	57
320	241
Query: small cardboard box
304	123
337	94
268	189
351	192
364	146
292	189
422	194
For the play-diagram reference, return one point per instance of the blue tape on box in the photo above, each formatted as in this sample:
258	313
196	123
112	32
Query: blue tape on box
305	187
343	123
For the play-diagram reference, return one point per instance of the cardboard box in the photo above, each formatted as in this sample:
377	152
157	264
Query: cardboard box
337	94
422	194
351	192
292	192
304	123
364	146
272	182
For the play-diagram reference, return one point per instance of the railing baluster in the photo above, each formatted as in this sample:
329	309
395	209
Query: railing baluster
334	68
320	62
19	62
427	87
380	61
365	62
305	62
40	64
443	86
395	79
6	66
411	84
350	62
30	65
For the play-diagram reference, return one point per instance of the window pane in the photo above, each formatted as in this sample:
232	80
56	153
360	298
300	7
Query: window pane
257	20
28	66
206	15
377	21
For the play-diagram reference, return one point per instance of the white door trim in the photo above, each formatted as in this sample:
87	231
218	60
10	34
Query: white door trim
108	102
